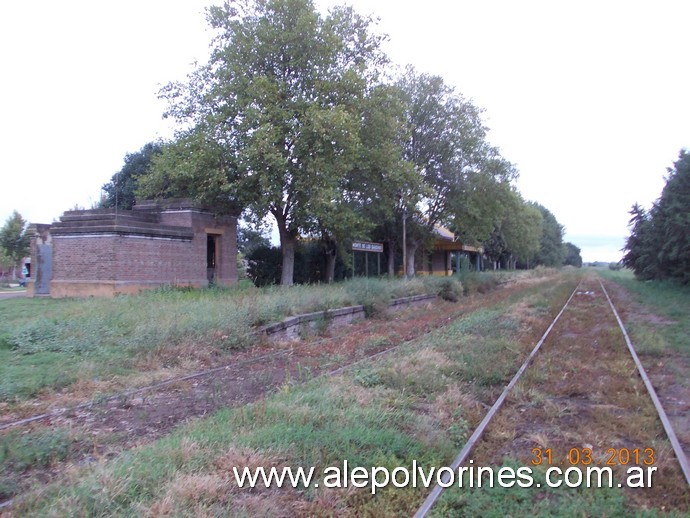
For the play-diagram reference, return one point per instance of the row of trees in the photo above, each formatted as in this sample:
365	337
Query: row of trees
659	243
296	117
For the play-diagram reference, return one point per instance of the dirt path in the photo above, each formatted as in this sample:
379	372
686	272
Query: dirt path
581	398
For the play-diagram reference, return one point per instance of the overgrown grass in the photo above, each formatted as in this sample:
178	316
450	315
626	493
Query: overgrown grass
20	450
669	300
416	405
500	501
50	344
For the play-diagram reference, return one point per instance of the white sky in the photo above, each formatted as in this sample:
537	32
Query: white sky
589	99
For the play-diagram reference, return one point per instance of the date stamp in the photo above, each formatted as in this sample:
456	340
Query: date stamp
586	457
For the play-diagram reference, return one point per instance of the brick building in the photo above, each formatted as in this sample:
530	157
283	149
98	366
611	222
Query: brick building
103	252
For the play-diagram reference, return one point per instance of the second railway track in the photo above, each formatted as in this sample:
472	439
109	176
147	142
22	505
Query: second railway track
581	399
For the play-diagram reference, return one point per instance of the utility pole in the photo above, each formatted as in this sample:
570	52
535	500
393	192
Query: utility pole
404	244
402	204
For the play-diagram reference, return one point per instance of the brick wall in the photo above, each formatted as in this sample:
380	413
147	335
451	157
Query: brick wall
118	259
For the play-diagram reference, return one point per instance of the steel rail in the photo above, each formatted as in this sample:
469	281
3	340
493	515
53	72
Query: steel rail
198	374
479	431
10	502
677	448
139	390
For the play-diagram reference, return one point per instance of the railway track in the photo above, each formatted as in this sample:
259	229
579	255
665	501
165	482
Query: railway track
285	359
572	373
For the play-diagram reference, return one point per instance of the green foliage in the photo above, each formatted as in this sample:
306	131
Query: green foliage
249	239
670	301
450	289
120	191
551	243
14	240
463	178
378	415
34	449
659	243
523	230
49	344
497	501
275	117
264	265
572	255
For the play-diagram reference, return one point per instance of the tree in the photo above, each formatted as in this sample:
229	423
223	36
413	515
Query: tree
120	191
14	240
382	173
517	236
447	145
640	245
673	220
249	239
659	244
279	106
571	254
522	228
551	243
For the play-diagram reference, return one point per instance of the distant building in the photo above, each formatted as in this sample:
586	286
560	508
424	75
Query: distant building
447	252
104	252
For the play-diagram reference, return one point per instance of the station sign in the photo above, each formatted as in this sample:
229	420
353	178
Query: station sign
366	246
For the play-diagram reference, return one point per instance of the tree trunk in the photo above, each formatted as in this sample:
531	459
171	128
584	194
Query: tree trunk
391	260
331	255
411	252
288	244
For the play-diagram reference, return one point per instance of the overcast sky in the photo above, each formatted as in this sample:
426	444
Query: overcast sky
589	99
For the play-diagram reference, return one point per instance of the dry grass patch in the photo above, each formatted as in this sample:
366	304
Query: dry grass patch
445	407
190	492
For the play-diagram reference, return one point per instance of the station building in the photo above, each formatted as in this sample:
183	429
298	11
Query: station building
105	252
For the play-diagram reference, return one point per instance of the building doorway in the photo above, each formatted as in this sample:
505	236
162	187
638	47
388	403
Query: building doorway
212	258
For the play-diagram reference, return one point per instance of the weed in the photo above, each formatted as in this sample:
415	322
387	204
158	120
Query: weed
450	289
368	378
35	449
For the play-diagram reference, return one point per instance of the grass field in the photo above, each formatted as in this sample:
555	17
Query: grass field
105	344
417	404
668	300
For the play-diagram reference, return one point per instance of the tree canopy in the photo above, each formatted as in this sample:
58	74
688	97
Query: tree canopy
659	243
571	255
120	191
14	240
294	118
279	104
551	252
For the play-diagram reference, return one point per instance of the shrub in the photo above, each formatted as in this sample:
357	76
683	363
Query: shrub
450	289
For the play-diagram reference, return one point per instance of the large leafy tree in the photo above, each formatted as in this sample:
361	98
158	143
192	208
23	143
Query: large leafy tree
120	191
518	235
571	254
384	177
277	108
551	251
659	243
673	220
14	240
523	231
447	146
